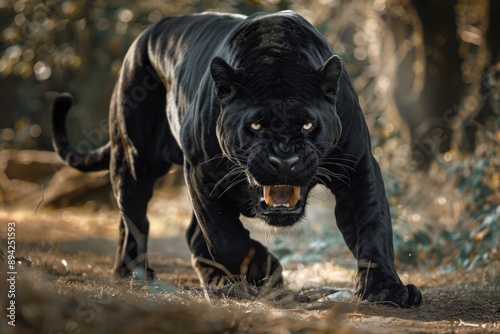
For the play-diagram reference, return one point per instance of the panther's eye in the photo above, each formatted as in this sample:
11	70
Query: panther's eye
256	126
307	126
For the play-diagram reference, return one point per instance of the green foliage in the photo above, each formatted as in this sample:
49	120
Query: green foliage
474	238
479	181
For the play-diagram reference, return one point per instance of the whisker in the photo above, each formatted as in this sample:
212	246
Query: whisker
325	189
233	172
329	172
317	198
329	175
217	156
342	154
234	183
343	166
323	175
338	158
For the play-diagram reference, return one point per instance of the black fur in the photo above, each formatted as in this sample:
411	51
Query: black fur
250	102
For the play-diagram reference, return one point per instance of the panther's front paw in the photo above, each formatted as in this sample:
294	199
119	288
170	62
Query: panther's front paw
259	268
209	271
377	287
262	269
399	294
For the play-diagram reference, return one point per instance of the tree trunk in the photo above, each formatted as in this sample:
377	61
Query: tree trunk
429	114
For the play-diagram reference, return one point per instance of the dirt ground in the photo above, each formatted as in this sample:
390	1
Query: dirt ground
69	287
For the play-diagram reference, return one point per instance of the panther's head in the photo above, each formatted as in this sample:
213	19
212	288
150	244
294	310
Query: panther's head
277	123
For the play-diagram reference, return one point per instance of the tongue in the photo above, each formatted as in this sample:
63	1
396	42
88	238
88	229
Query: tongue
281	196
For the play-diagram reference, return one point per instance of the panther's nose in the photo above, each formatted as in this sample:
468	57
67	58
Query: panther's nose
284	166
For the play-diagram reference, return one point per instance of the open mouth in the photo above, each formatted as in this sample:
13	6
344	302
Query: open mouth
281	205
281	196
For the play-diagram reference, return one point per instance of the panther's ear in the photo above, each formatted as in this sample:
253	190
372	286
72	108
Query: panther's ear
329	75
223	75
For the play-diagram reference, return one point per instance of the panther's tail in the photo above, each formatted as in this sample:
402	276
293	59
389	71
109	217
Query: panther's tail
95	160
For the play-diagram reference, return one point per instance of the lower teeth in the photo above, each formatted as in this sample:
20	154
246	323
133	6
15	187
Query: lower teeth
286	205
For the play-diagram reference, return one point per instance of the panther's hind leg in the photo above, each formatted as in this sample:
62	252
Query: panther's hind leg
142	149
133	195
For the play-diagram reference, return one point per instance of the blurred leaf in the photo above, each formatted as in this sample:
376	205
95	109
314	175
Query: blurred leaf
422	238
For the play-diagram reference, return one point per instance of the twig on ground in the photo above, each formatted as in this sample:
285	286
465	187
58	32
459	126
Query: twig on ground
41	200
360	298
467	324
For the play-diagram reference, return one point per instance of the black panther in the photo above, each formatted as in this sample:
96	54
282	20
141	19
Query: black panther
258	110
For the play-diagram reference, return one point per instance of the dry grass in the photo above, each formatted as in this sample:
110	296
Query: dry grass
54	304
